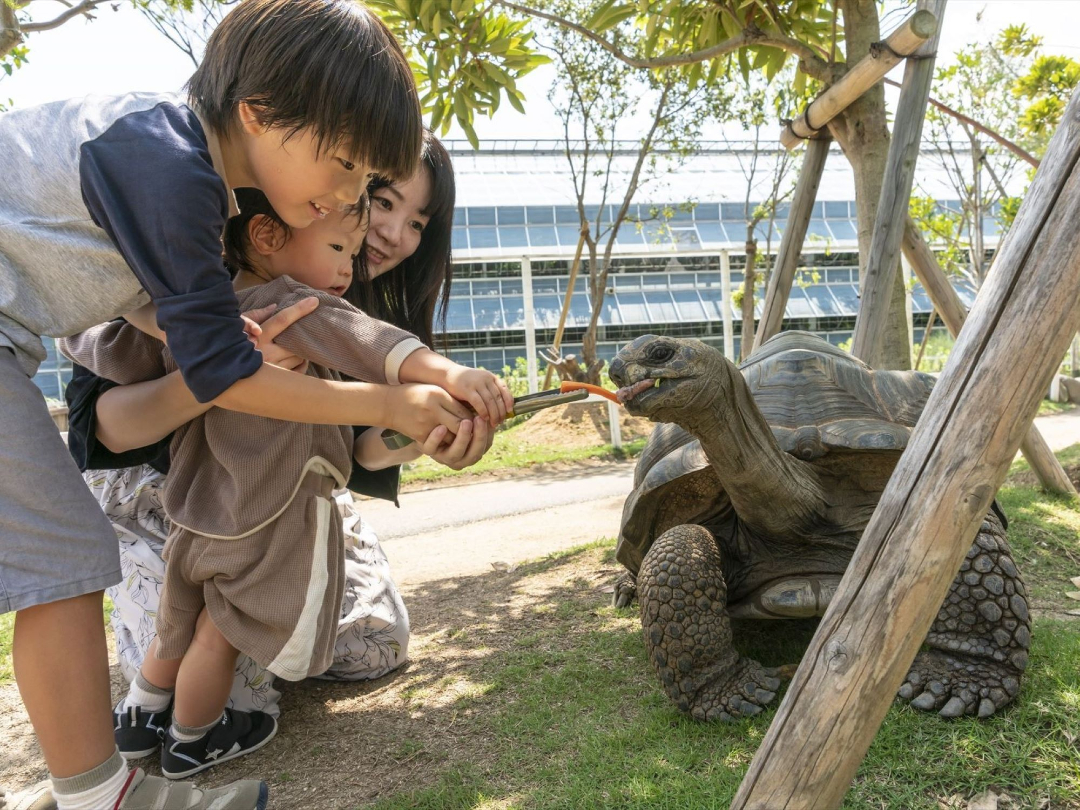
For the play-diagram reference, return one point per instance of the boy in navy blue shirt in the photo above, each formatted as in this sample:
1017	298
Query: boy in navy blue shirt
112	203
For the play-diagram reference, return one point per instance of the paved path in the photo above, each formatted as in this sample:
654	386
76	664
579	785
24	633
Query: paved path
453	531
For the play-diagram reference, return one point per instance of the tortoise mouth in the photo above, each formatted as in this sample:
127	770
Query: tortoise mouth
628	392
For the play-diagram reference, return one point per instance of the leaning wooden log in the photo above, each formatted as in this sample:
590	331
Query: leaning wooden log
947	303
791	244
875	289
957	457
915	30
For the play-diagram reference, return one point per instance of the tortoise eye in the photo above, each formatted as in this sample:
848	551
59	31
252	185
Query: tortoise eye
660	353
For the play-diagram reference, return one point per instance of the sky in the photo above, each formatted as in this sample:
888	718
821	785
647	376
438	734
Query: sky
119	51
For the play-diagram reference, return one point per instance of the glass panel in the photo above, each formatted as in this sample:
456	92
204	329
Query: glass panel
459	216
708	280
511	215
511	286
783	210
920	301
491	359
681	214
633	307
463	357
682	280
481	216
545	284
990	227
483	238
567	215
568	235
513	237
654	281
798	306
488	313
580	310
661	307
629	235
848	297
485	288
547	309
819	229
541	236
838	275
967	294
459	317
686	237
630	281
713	232
733	212
713	305
707	212
836	210
656	234
818	210
609	315
823	300
514	309
844	230
540	215
689	305
836	338
459	239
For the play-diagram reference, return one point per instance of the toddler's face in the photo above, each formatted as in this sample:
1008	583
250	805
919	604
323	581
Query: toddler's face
302	185
321	255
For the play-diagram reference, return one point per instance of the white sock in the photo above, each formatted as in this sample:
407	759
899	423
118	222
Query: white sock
191	733
146	696
98	788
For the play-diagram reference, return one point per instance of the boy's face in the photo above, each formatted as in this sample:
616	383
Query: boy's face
321	255
302	185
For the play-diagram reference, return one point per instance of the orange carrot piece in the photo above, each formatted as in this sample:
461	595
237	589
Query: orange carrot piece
592	389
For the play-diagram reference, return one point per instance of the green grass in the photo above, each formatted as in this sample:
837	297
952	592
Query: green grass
1049	408
506	454
572	716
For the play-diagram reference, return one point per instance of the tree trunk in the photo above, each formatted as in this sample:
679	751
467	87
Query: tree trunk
588	343
863	135
746	342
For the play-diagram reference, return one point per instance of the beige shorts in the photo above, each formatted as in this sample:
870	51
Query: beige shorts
275	595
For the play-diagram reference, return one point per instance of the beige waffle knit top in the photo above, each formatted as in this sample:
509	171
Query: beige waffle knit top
233	473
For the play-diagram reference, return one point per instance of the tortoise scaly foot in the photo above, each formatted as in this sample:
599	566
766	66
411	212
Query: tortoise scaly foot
625	591
954	685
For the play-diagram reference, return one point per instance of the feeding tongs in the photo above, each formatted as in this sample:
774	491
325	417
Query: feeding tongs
530	403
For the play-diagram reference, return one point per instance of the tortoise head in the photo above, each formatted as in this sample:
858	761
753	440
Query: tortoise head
662	377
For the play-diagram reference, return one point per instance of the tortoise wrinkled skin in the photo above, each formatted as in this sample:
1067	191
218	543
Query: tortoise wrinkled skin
750	499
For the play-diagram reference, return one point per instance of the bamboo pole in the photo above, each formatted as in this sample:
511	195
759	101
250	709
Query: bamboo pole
875	291
912	33
787	259
936	499
565	307
1043	462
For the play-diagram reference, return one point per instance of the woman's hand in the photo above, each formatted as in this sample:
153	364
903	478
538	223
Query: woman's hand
487	394
473	439
265	324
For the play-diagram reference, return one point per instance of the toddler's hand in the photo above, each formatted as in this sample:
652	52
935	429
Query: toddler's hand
487	394
416	410
474	438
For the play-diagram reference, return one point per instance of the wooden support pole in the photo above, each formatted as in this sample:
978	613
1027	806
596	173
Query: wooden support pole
948	305
791	244
531	370
925	337
875	291
566	306
725	306
912	33
958	456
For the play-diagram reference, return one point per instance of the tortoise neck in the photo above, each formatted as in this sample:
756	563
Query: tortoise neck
771	491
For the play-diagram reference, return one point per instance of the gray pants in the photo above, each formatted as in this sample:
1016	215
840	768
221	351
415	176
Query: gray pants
55	542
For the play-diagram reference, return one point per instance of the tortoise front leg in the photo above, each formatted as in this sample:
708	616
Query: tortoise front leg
625	590
688	632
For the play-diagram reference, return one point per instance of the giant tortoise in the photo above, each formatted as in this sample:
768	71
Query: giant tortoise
749	500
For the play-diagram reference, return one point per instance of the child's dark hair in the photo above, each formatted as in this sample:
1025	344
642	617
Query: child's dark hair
331	65
415	294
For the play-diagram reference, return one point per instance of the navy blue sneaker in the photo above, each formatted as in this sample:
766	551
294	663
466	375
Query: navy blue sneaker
139	732
236	734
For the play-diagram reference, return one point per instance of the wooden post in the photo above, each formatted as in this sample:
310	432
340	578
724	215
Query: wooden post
566	306
725	306
947	303
530	323
958	456
915	30
884	256
925	338
787	260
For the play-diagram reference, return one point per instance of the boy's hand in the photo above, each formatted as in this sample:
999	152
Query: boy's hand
263	325
416	410
474	438
487	394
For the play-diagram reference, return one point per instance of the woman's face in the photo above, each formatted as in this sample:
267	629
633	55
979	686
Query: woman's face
397	222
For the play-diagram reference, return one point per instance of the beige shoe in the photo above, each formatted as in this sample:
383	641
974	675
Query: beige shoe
39	797
156	793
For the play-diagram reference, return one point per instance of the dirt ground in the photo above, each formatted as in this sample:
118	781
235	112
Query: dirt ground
345	745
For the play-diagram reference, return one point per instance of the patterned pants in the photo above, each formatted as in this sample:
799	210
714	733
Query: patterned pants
373	631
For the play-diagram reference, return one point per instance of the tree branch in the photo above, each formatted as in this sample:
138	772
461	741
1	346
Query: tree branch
813	64
10	34
971	122
75	11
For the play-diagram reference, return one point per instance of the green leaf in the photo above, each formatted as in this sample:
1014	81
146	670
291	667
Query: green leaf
470	133
516	100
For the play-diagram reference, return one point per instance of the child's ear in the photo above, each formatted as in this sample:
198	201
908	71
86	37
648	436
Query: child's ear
266	235
249	118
